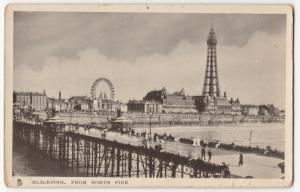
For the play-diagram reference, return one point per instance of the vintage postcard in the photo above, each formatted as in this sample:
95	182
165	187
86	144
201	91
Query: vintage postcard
101	95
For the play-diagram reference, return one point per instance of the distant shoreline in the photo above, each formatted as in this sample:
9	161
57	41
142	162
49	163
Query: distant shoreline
164	120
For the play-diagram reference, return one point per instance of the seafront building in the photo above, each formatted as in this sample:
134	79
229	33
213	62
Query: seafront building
58	104
85	104
80	103
30	100
217	105
250	109
160	101
262	110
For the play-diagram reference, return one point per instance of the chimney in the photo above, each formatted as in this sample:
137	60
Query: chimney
59	95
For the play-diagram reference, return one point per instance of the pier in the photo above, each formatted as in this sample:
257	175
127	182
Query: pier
93	156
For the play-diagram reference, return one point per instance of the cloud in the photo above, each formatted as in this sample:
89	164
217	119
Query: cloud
127	36
254	73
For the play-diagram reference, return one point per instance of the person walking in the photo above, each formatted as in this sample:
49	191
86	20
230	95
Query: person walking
209	155
241	160
203	154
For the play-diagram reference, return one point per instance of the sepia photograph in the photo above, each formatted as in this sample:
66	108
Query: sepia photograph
118	95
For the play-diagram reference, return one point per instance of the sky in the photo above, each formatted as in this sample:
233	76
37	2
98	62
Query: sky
140	52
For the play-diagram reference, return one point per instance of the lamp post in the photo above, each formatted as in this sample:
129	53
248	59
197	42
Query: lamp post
150	117
250	137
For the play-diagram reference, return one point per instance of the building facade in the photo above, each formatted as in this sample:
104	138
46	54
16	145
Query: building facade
217	105
270	110
30	100
140	106
59	104
80	103
176	102
136	106
250	109
160	101
117	105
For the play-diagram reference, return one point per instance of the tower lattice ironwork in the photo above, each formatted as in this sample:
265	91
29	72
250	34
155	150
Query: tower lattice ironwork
211	85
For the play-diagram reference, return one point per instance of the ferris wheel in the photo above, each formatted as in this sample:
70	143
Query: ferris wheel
97	85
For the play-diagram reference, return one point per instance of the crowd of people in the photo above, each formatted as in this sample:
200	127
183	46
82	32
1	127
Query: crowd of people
27	116
257	150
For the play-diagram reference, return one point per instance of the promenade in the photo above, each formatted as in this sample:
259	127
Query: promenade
256	166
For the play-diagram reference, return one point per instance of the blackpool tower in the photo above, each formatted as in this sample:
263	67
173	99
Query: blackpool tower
211	85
